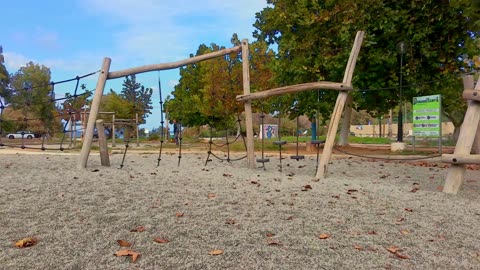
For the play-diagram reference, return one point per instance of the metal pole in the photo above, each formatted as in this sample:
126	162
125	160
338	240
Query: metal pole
400	113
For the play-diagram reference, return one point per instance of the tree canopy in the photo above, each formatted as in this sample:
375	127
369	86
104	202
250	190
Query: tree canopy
314	40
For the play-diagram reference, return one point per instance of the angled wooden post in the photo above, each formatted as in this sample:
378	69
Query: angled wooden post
88	135
468	132
347	116
102	144
248	105
339	106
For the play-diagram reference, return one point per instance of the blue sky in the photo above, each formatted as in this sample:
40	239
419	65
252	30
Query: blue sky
72	37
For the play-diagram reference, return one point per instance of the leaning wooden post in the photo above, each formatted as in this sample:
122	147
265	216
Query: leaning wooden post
339	106
248	105
88	136
468	131
102	143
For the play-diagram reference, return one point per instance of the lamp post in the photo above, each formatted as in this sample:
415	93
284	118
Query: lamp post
401	50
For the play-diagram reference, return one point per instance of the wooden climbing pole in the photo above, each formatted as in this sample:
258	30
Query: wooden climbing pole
469	133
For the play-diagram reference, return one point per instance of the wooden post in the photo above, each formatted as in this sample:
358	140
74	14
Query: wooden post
114	142
102	143
347	116
248	106
71	132
88	135
339	106
468	131
136	126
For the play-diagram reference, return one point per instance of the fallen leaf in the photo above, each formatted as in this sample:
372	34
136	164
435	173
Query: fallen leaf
409	209
401	256
404	232
307	187
138	229
128	252
400	219
179	214
415	189
324	236
161	240
124	243
357	247
270	234
227	175
350	191
372	232
290	218
26	242
393	249
440	188
215	252
274	242
211	195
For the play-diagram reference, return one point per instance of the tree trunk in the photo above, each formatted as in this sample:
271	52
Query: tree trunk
347	116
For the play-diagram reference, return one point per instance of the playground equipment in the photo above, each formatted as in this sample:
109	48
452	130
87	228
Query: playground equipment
469	138
343	87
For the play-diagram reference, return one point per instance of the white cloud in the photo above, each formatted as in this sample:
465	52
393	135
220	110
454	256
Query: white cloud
172	83
14	61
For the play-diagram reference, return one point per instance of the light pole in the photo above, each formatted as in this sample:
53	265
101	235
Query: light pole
401	50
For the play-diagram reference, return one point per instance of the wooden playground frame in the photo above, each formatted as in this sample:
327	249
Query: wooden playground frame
460	157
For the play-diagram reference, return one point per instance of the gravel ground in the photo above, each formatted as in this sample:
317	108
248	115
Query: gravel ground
370	214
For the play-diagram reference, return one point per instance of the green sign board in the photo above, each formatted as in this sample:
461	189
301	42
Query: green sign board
427	116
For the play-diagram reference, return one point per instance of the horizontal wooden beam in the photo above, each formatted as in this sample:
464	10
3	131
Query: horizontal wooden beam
295	88
172	65
461	159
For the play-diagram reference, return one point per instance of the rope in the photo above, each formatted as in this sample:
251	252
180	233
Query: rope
382	158
161	121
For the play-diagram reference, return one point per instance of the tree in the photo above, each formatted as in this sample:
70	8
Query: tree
139	97
314	38
4	76
32	93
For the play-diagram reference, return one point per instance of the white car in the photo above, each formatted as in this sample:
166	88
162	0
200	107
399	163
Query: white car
21	134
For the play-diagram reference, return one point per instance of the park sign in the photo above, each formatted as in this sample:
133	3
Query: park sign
427	116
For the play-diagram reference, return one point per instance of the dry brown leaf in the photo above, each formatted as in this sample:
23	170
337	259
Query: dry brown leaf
290	218
211	195
124	243
401	256
26	242
393	249
138	229
128	252
350	191
179	214
161	240
324	236
215	252
372	232
270	235
404	232
273	242
357	247
415	189
409	209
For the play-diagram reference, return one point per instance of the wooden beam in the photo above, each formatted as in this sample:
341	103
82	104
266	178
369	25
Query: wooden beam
88	135
102	144
461	159
470	94
293	89
468	130
172	65
248	106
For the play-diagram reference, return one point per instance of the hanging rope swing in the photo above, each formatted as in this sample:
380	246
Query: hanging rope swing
263	160
162	131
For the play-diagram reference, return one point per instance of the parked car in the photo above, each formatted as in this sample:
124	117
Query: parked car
21	134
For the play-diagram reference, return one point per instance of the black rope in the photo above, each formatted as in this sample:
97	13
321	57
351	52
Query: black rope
179	143
161	122
382	158
124	153
263	160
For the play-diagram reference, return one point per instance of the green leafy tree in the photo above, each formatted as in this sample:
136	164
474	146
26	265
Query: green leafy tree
314	40
139	97
31	92
4	76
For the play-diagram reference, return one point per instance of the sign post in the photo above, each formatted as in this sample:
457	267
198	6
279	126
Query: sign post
427	120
